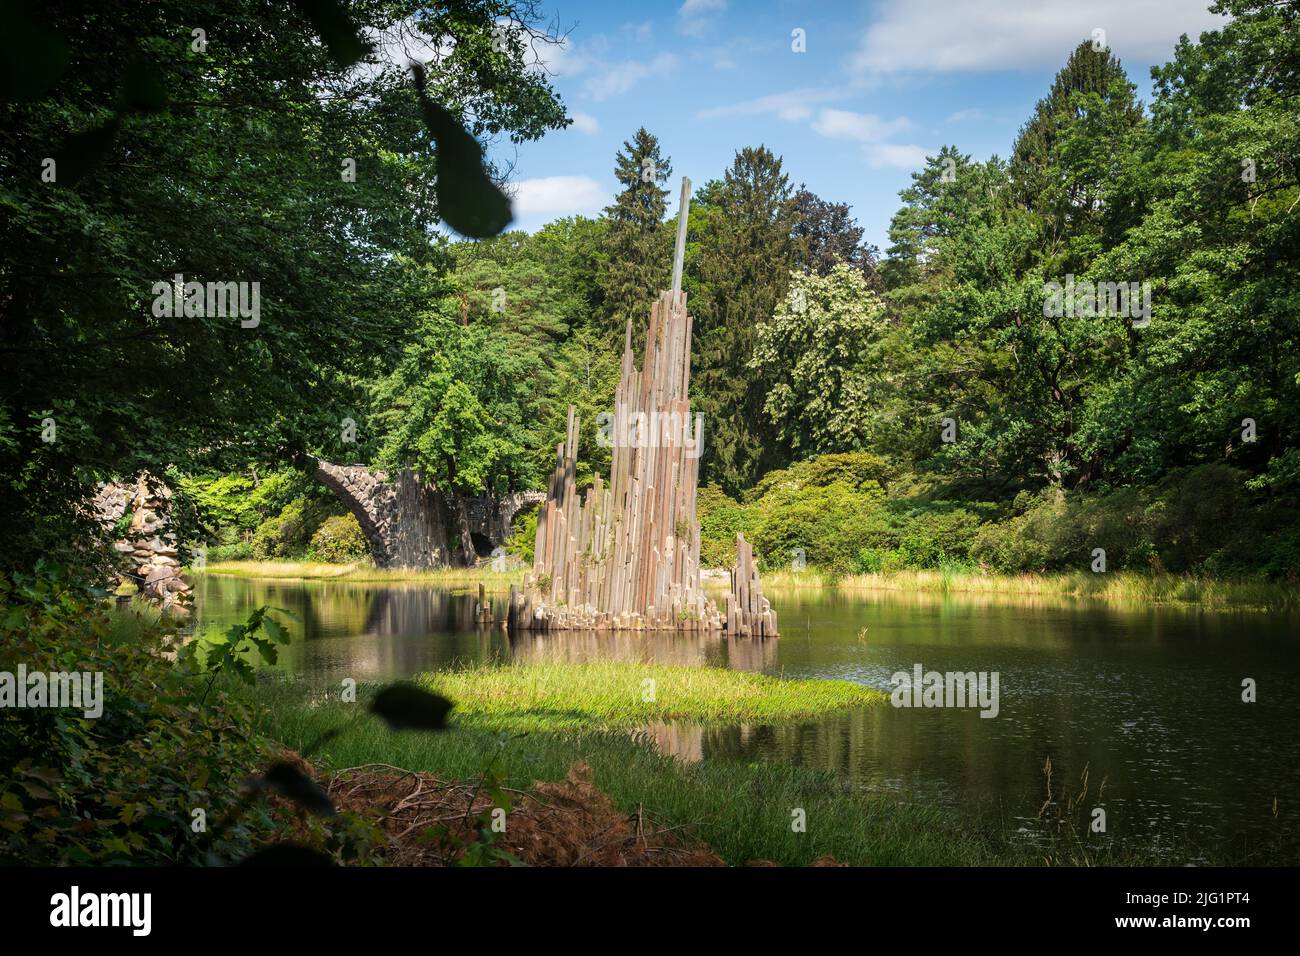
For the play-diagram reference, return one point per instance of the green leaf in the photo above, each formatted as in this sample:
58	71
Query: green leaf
276	630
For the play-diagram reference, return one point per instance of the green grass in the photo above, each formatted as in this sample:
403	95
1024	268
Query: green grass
364	571
613	695
133	623
1120	587
742	811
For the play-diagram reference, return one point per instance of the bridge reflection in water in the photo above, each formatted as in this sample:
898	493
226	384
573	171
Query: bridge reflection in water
390	631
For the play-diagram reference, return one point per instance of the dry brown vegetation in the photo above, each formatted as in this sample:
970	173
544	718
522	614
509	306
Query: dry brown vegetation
427	821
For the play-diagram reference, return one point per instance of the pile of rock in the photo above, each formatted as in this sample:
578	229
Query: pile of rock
148	544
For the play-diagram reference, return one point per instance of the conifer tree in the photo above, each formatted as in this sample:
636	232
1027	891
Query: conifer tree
743	270
639	262
1071	151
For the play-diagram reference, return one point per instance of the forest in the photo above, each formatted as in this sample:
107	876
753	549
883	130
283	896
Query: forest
912	408
1077	359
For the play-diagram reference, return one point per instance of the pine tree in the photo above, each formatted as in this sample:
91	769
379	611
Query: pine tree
1070	153
743	271
639	263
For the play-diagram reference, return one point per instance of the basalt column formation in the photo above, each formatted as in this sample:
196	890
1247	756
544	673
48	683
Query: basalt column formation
626	556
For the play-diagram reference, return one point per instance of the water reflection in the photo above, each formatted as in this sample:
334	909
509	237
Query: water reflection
1143	702
374	632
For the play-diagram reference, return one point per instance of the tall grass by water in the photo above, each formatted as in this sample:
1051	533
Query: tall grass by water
746	812
1120	587
364	571
1131	587
607	694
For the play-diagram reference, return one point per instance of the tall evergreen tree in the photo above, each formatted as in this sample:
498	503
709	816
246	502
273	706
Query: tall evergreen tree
743	270
972	251
935	206
1074	145
638	265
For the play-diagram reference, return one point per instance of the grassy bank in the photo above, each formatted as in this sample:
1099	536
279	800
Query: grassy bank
618	695
1113	586
364	571
1131	587
742	811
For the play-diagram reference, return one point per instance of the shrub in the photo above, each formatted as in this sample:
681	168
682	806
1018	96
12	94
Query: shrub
1197	512
1280	552
289	533
1194	519
117	789
932	534
339	539
523	536
859	470
721	517
878	561
283	535
830	525
240	551
1029	540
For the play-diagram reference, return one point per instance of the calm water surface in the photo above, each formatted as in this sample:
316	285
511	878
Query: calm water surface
1145	701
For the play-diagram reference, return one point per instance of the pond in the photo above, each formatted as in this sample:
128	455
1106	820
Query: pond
1138	709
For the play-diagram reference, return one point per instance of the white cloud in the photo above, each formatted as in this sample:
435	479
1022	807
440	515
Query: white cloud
554	196
947	36
865	127
584	122
900	156
401	43
695	17
869	129
968	116
792	106
621	77
562	58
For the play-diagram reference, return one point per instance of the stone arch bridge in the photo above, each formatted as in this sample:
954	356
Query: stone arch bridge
411	524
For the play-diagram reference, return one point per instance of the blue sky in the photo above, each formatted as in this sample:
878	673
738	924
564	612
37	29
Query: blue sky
880	85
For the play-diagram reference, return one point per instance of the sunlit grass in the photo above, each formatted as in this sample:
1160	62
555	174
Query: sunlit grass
612	695
1131	587
743	811
364	571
